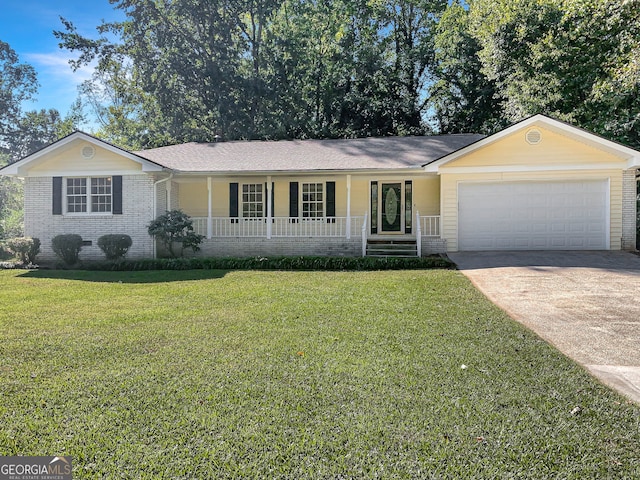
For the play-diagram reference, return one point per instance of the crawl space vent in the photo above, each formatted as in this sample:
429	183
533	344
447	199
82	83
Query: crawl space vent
533	136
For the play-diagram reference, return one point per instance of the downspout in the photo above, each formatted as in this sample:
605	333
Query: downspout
155	204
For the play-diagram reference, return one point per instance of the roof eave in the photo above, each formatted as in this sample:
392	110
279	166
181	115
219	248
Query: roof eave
221	173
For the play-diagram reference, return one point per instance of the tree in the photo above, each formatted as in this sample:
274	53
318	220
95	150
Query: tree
36	129
22	133
573	59
463	98
11	217
17	84
187	70
175	227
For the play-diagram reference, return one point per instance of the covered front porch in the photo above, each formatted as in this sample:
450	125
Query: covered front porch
309	215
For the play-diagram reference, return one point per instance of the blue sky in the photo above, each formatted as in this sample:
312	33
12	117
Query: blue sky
28	25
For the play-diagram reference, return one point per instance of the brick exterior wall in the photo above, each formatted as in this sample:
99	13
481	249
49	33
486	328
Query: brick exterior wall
280	246
629	192
137	197
433	245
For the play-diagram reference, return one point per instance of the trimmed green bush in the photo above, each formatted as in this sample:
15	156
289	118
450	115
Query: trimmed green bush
175	227
24	248
115	246
67	247
278	263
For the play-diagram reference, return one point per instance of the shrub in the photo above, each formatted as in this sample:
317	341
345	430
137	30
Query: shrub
5	254
67	247
175	227
25	248
278	263
115	246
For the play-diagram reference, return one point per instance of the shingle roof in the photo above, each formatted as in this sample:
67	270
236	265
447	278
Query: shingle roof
304	155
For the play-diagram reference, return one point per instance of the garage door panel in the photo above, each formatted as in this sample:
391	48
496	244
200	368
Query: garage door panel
533	215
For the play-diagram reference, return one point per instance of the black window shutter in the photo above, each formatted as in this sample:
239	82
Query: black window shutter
57	195
116	182
233	199
273	196
331	199
293	199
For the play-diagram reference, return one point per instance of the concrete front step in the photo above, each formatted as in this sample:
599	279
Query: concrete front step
391	248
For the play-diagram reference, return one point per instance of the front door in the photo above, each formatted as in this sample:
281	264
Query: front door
391	208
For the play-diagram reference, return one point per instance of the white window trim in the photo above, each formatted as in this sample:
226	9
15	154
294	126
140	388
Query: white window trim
242	202
89	212
301	202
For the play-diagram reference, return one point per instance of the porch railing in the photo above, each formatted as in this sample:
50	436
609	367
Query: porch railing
280	227
336	227
430	225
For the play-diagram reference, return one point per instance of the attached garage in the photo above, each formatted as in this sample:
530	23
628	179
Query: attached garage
540	184
557	215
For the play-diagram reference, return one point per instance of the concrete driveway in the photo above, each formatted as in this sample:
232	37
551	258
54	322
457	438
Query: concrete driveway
587	304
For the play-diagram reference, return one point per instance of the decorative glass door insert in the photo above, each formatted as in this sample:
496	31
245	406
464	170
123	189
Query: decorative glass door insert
391	217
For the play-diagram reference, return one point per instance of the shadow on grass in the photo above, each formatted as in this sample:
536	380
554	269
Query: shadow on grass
146	276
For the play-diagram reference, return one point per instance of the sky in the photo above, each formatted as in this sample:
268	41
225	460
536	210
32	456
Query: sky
28	25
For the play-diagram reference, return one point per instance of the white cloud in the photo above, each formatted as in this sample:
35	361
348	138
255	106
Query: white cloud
56	66
58	82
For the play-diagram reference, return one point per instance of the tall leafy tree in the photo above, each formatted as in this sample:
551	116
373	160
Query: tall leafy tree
18	84
180	70
22	133
463	99
573	59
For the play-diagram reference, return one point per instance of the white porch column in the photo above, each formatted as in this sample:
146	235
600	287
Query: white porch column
348	207
169	196
269	212
209	209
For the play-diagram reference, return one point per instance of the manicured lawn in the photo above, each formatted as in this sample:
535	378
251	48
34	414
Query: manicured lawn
211	374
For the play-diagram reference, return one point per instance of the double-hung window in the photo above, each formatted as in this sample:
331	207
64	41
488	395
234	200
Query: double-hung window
89	195
252	200
312	200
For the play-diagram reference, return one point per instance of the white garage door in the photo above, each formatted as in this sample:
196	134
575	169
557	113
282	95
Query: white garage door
533	215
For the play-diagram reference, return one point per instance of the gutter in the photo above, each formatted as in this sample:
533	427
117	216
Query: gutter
155	204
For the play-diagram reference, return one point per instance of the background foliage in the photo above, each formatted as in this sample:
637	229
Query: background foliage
185	70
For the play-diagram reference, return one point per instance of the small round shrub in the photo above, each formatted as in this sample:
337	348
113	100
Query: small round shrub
114	246
24	248
67	247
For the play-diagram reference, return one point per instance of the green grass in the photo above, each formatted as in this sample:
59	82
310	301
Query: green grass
212	374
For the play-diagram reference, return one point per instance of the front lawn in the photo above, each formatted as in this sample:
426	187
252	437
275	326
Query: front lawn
213	374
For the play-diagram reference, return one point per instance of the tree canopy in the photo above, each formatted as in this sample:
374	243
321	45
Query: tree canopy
183	70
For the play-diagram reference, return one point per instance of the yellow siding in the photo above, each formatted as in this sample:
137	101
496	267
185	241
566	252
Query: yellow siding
194	198
193	194
426	195
449	186
513	150
360	195
71	162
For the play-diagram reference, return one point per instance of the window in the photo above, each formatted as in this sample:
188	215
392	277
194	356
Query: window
89	195
252	200
76	195
312	200
101	195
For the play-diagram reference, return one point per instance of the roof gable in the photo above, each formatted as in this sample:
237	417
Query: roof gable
79	153
554	131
